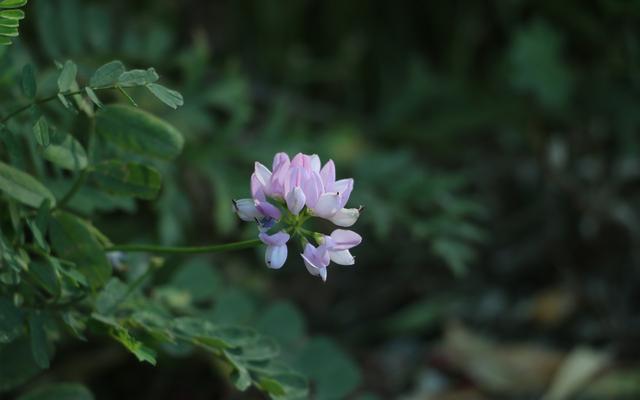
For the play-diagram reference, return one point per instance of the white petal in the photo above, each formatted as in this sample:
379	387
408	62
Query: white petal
246	209
263	174
314	162
346	217
312	268
344	239
275	256
342	257
327	205
323	274
296	200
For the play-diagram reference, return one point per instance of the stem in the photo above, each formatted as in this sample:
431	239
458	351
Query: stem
74	189
150	248
47	99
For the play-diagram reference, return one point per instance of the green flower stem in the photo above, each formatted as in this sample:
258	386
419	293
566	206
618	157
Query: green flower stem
218	248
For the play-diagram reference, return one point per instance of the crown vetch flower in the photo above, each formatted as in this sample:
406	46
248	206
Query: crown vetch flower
291	193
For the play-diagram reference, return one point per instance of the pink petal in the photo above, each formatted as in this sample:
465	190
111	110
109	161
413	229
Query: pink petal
328	174
257	189
277	239
280	159
268	209
298	160
312	187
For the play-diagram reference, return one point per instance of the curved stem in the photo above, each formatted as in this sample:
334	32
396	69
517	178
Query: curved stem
47	99
218	248
74	189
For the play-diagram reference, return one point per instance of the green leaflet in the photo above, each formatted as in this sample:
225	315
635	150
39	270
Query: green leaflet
39	344
23	187
138	77
107	74
12	14
169	97
128	179
73	240
28	78
60	391
12	3
68	154
139	132
10	321
67	76
17	364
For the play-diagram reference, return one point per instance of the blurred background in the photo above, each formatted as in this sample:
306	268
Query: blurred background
494	145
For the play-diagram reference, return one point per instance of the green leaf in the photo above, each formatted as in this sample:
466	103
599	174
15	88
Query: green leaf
12	3
23	187
75	323
138	131
67	76
457	254
39	344
10	321
169	97
139	349
17	364
128	179
68	154
107	74
271	386
45	276
41	132
59	391
198	279
28	81
138	77
111	296
335	375
262	348
294	385
12	14
537	65
233	306
9	31
240	377
283	321
94	98
156	325
10	23
200	332
73	240
38	235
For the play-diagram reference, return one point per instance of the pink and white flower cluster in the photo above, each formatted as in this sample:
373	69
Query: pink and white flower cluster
294	190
